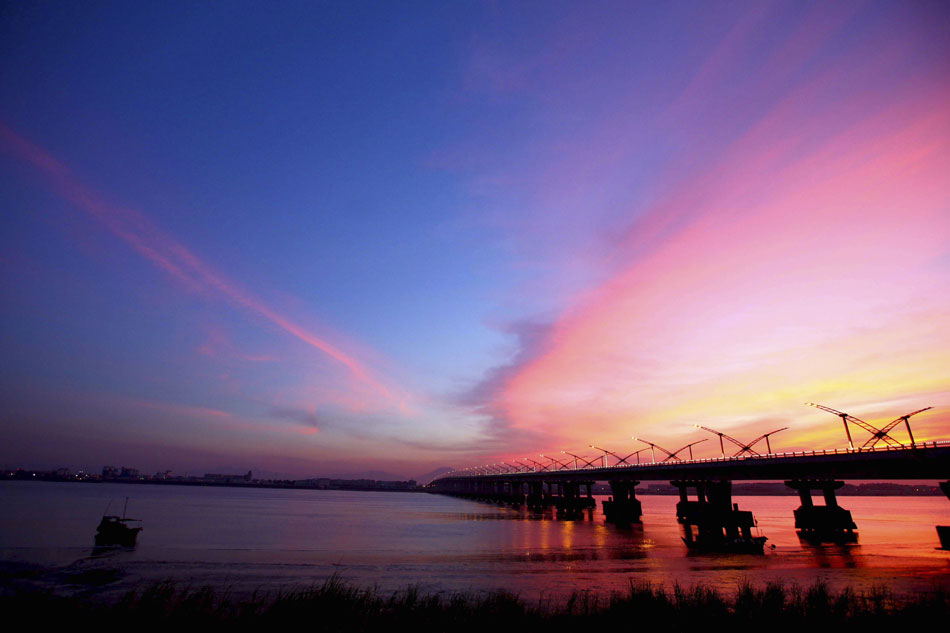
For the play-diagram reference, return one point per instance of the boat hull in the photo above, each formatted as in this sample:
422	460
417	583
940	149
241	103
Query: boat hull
115	531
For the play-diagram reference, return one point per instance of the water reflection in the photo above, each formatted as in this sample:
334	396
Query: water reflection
269	538
100	551
833	555
567	534
560	555
813	540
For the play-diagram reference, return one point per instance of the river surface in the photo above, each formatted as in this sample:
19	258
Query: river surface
271	539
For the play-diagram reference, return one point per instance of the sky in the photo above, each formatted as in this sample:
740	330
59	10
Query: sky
312	238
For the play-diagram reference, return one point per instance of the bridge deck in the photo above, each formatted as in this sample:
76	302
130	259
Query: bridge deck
925	461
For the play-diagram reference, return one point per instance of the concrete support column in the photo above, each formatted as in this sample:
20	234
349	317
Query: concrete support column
943	531
536	498
571	503
623	508
829	522
712	522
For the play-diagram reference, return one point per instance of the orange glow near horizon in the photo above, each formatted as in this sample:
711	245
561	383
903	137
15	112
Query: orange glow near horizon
802	275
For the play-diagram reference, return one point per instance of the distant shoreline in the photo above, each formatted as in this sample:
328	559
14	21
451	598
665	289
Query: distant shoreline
381	486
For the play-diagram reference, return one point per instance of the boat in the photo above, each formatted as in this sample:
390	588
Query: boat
115	530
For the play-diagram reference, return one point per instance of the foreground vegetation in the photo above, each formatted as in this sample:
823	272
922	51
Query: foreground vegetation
338	606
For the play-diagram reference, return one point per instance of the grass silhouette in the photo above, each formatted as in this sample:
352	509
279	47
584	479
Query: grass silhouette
336	605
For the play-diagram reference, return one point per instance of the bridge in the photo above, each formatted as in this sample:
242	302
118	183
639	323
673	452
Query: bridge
709	517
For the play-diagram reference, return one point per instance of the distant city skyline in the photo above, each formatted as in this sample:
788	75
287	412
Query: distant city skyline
313	238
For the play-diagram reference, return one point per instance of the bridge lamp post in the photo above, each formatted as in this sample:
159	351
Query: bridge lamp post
638	454
721	447
624	459
768	445
539	465
576	457
690	447
906	419
652	448
560	465
606	453
913	444
844	420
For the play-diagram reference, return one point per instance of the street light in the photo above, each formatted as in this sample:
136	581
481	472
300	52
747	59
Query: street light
877	434
541	466
844	419
722	448
652	448
672	455
606	453
620	460
560	464
576	457
637	453
690	447
743	448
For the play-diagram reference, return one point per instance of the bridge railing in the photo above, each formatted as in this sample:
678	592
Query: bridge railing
710	460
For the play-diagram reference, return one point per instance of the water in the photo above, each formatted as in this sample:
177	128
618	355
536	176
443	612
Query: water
263	539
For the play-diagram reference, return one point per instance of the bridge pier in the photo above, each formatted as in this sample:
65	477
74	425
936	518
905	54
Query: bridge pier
537	499
829	522
623	508
514	493
943	531
572	502
712	522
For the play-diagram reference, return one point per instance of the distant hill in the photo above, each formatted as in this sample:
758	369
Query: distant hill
378	475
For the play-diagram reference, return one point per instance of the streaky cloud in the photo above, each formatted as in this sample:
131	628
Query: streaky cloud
171	256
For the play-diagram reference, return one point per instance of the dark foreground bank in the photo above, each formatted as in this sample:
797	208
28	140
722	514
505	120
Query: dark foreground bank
338	606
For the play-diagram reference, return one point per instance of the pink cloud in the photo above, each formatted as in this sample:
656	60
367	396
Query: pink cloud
810	258
218	344
179	409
